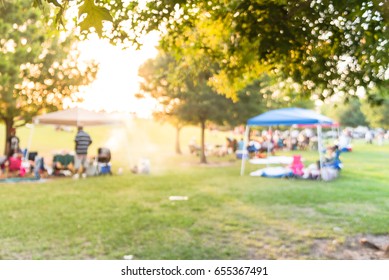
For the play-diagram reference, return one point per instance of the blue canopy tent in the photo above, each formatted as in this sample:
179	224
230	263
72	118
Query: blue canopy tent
288	117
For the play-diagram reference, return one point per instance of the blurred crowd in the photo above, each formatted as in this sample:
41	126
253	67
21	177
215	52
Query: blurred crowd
263	142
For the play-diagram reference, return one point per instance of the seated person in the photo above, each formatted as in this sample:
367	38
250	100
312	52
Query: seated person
280	143
63	162
312	171
14	165
194	148
267	145
253	147
332	158
330	154
344	143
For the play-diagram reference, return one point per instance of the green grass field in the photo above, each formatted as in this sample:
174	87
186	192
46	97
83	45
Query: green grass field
226	216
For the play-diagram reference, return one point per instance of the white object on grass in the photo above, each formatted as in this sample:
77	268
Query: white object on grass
172	198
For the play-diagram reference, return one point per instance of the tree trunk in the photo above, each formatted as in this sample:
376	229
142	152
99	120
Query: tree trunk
8	126
203	159
178	147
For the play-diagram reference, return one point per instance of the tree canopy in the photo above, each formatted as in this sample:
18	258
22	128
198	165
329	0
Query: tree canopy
39	68
326	46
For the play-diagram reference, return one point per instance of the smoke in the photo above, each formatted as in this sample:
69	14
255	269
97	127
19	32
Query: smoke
131	142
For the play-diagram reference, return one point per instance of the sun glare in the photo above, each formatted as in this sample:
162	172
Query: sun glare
117	80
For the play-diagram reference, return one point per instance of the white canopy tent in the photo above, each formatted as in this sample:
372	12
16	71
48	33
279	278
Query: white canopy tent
77	117
74	117
288	117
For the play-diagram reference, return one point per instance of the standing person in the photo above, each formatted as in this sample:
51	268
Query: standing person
13	143
369	137
83	141
234	145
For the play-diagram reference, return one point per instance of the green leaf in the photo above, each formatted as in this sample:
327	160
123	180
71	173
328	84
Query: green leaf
55	2
36	3
59	17
95	15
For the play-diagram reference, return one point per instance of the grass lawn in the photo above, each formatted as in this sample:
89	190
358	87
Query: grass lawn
226	216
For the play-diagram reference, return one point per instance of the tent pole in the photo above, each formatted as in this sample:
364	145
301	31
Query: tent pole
320	148
244	152
268	143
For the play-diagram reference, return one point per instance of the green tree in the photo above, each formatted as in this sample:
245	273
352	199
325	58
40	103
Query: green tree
352	115
347	114
377	115
155	84
183	93
326	46
39	69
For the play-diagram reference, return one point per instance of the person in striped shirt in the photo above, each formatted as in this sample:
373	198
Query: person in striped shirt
83	141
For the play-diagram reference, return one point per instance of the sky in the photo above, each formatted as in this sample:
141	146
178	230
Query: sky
117	80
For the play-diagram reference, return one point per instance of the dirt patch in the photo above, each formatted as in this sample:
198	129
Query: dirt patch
359	247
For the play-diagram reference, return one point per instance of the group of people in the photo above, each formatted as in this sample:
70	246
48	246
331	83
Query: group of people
375	136
260	144
12	163
231	146
78	164
327	168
